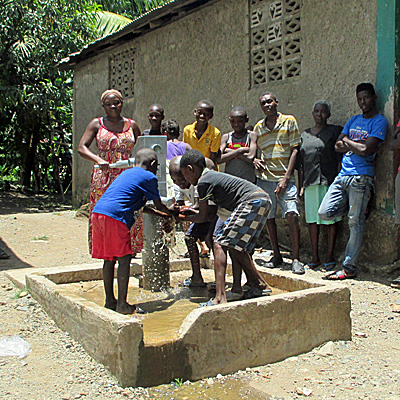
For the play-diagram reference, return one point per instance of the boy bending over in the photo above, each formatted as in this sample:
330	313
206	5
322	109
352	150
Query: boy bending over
248	206
112	218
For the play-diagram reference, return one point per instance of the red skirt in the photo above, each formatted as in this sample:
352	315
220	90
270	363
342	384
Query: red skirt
110	238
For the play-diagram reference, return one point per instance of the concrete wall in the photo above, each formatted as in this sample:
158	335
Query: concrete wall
206	55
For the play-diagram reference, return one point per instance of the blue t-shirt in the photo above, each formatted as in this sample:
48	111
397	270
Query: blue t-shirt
359	128
128	193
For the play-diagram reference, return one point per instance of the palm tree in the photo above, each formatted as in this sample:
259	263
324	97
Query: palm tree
115	15
130	8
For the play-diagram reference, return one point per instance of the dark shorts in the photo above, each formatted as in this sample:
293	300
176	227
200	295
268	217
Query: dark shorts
198	230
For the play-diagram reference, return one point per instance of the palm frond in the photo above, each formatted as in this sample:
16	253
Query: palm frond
108	22
23	48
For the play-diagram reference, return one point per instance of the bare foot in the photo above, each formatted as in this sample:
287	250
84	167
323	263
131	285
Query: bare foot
111	304
126	308
221	300
237	289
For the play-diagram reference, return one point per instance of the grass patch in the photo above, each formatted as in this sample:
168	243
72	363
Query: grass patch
178	382
44	237
19	291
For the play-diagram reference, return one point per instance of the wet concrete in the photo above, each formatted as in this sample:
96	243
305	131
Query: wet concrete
225	388
153	349
166	310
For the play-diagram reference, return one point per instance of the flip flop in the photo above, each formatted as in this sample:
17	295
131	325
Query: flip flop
204	255
298	268
208	303
255	292
3	255
338	276
396	283
231	296
312	265
329	266
186	282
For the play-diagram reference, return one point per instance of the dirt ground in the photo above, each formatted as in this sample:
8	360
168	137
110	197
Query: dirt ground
37	232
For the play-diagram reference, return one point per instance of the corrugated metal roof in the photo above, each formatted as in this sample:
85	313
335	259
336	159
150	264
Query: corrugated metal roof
172	10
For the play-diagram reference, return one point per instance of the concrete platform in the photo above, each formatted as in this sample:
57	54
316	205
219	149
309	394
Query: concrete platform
212	340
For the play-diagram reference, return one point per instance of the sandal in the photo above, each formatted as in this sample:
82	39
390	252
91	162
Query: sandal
329	266
255	292
396	283
205	255
338	276
313	265
298	268
207	303
3	255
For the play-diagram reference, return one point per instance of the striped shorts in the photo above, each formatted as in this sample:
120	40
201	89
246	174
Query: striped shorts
242	229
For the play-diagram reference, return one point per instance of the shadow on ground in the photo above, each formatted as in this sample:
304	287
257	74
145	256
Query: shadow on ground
13	262
14	202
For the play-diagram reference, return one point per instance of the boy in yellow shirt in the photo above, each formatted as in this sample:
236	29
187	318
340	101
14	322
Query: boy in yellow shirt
201	135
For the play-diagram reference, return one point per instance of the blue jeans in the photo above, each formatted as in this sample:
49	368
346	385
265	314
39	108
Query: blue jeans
348	194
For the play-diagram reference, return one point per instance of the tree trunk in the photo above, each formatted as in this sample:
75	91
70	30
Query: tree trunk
30	157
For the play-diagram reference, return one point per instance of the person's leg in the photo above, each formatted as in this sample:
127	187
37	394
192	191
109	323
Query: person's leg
220	261
213	229
288	202
332	229
237	273
359	190
273	237
203	247
336	201
313	230
269	188
123	279
294	233
254	277
397	199
108	280
191	244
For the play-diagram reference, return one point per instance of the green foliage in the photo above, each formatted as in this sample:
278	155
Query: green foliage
43	238
35	96
178	382
130	8
108	22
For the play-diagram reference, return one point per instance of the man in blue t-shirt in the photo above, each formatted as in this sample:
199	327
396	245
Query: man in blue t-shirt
350	191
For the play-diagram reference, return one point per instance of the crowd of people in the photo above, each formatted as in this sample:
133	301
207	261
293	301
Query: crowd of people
227	211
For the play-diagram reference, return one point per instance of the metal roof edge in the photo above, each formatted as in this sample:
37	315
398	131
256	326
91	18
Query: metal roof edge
141	25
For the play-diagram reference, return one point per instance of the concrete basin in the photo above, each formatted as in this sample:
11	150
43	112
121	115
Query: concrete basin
210	341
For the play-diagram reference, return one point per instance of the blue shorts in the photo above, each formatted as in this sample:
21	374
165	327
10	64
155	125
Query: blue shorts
288	200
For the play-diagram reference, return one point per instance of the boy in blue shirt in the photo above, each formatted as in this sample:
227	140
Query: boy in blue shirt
112	218
350	191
